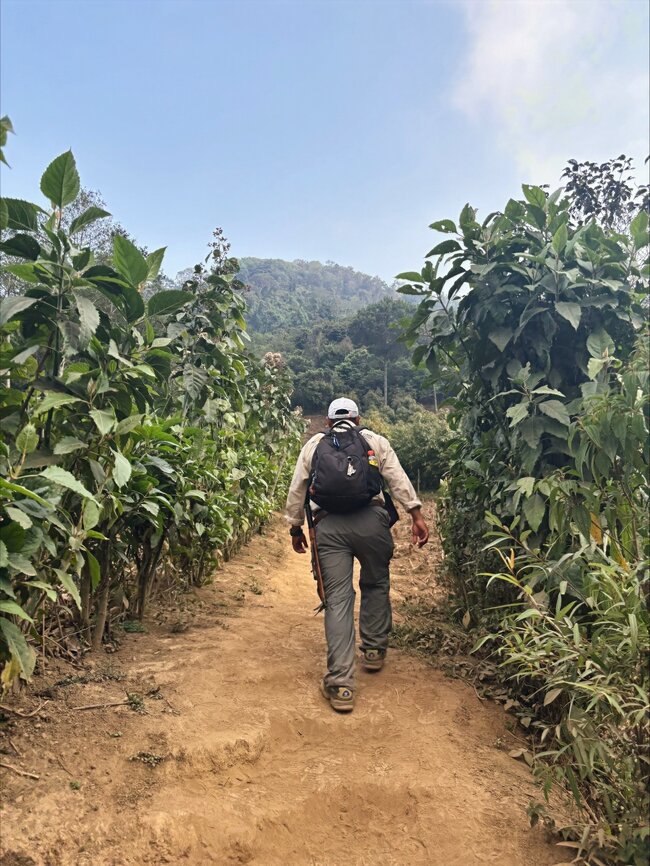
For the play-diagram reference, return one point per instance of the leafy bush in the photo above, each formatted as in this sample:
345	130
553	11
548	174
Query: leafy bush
135	435
541	323
421	440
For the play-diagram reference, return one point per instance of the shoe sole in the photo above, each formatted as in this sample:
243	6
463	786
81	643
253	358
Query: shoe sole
335	703
375	665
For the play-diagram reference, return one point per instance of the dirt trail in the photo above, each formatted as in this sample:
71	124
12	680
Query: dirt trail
258	769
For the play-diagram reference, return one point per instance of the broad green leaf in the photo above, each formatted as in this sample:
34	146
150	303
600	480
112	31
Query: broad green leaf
556	410
88	318
13	305
129	261
91	513
532	430
66	479
467	218
4	562
14	609
411	290
544	389
639	230
121	469
19	516
86	218
104	419
18	488
67	580
27	439
20	357
18	647
20	215
535	195
45	587
68	444
164	303
517	413
21	563
600	344
21	246
534	509
154	262
560	238
501	337
25	271
443	248
410	276
60	181
93	569
82	261
595	365
569	311
526	485
443	226
126	425
53	400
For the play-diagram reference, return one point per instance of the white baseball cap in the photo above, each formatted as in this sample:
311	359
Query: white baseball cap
343	408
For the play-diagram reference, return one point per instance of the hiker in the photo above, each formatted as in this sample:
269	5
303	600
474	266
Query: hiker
343	469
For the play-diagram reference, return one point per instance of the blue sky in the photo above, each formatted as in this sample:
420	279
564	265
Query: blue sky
330	130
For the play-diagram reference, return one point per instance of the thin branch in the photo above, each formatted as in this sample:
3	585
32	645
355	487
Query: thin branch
18	771
102	706
22	715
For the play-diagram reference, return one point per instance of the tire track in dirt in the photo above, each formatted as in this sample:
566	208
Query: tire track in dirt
258	769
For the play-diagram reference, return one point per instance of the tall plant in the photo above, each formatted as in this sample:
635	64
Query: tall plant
541	323
134	432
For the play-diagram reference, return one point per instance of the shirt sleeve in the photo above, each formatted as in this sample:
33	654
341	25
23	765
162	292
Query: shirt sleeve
295	508
395	476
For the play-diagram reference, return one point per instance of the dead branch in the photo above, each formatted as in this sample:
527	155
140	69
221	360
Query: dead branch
19	713
18	771
102	706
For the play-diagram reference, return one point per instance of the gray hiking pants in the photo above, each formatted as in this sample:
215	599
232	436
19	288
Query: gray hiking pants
364	534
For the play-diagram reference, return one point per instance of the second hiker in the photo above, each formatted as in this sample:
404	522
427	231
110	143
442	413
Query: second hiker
339	475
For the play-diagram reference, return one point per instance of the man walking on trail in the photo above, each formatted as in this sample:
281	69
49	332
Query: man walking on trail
338	483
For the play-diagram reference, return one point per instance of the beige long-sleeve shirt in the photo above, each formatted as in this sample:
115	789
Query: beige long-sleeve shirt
389	467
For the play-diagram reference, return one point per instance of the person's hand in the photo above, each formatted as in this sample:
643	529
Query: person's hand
419	529
299	543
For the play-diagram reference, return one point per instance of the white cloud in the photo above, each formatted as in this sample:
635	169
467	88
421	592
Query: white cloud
557	79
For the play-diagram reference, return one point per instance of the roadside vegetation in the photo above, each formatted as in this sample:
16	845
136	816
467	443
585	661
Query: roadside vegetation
141	440
538	316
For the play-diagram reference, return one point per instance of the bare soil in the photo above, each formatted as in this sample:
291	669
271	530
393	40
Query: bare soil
229	754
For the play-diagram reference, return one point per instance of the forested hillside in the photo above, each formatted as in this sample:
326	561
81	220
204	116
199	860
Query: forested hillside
286	294
338	330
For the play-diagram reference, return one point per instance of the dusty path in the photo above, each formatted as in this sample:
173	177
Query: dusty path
258	769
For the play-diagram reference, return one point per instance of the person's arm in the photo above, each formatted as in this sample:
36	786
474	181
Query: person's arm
419	528
295	507
402	489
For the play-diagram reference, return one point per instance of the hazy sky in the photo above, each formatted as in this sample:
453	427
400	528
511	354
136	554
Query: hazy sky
334	130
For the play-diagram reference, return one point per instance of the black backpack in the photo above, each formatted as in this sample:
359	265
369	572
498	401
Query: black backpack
344	471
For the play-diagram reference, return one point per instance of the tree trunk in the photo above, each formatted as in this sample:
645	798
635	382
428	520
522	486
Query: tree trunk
386	382
102	600
85	604
435	399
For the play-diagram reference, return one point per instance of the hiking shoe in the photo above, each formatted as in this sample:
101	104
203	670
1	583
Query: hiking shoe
340	697
373	659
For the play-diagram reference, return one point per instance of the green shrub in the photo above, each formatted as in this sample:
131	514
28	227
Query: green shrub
539	326
421	440
135	434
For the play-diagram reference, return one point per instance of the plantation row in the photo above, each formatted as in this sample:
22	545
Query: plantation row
137	437
539	325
